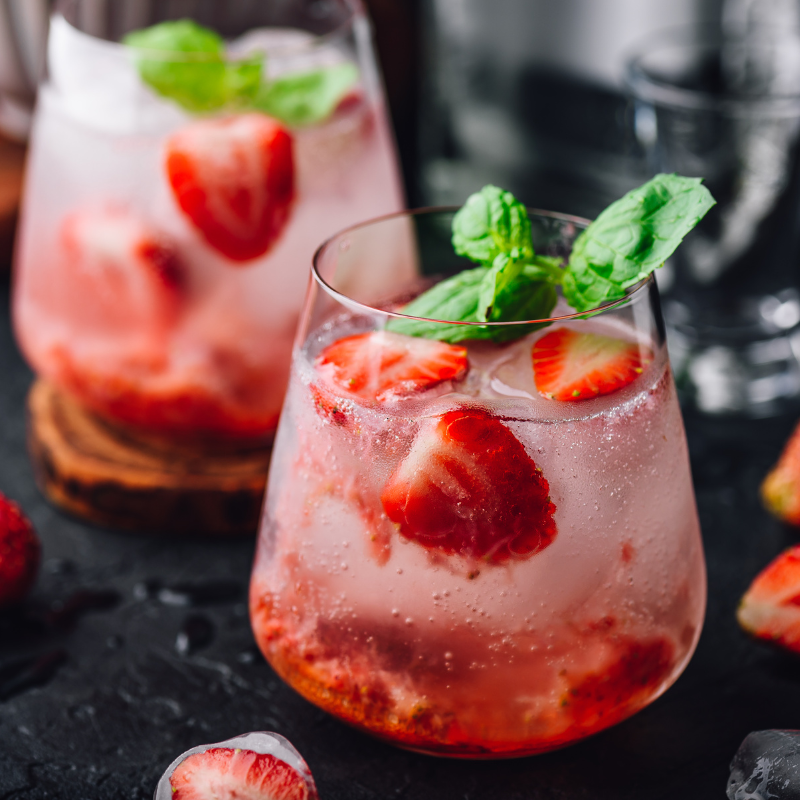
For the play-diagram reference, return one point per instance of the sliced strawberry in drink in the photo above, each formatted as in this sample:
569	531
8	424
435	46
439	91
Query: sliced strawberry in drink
770	609
225	773
636	669
234	179
469	488
128	268
380	366
568	365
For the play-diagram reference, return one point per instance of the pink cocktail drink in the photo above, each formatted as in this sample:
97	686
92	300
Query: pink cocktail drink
455	562
164	241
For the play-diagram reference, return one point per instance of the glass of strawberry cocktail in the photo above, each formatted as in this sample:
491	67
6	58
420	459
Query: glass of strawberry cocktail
479	540
180	176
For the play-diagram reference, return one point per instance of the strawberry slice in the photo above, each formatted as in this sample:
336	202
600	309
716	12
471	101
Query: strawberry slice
568	365
468	487
20	553
770	609
380	366
780	490
128	269
233	177
225	773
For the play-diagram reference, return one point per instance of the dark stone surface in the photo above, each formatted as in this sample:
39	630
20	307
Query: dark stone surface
133	649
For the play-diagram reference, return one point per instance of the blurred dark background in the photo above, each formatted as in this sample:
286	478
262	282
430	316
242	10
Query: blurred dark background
526	93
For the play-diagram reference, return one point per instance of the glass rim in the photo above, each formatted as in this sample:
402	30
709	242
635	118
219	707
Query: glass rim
644	86
630	293
354	10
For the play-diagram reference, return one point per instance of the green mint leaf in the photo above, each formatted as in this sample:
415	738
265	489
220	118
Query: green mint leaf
631	238
492	222
453	299
308	97
503	272
186	63
457	299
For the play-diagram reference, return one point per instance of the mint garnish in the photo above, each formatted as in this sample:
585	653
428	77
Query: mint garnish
306	98
187	63
630	239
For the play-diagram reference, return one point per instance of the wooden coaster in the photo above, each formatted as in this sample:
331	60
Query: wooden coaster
12	162
105	476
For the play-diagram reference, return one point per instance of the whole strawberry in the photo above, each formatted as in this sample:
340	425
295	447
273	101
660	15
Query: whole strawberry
20	553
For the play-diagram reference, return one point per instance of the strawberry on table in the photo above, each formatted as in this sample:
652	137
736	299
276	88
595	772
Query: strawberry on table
469	488
20	553
234	179
781	488
130	270
568	365
380	366
770	609
231	770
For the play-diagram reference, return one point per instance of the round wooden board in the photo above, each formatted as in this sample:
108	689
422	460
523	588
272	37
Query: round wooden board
12	162
105	476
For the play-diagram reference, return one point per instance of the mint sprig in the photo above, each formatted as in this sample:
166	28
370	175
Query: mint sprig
630	239
187	63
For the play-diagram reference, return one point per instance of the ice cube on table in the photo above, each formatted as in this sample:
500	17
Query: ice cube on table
766	767
264	742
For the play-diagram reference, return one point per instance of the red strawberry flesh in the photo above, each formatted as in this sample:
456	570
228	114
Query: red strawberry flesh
20	553
770	609
468	487
568	365
234	179
380	366
128	268
223	773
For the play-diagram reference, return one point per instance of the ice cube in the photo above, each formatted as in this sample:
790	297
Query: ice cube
96	82
766	767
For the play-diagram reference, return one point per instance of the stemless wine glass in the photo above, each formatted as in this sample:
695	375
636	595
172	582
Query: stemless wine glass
165	236
448	559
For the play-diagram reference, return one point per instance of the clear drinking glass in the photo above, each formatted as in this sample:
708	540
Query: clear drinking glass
163	252
728	110
450	560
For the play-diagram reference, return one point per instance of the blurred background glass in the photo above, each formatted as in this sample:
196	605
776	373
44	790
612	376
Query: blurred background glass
529	94
724	105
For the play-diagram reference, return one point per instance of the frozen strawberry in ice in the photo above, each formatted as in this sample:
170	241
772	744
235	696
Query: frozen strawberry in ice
253	766
234	178
770	609
568	365
468	487
380	366
20	553
132	272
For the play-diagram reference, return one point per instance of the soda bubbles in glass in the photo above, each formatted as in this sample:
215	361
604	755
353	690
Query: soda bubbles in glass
181	172
480	538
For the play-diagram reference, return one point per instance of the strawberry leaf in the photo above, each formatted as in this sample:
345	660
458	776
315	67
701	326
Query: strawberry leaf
631	238
308	97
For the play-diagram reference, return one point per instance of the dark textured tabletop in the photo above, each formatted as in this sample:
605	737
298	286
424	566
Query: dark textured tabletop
132	649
